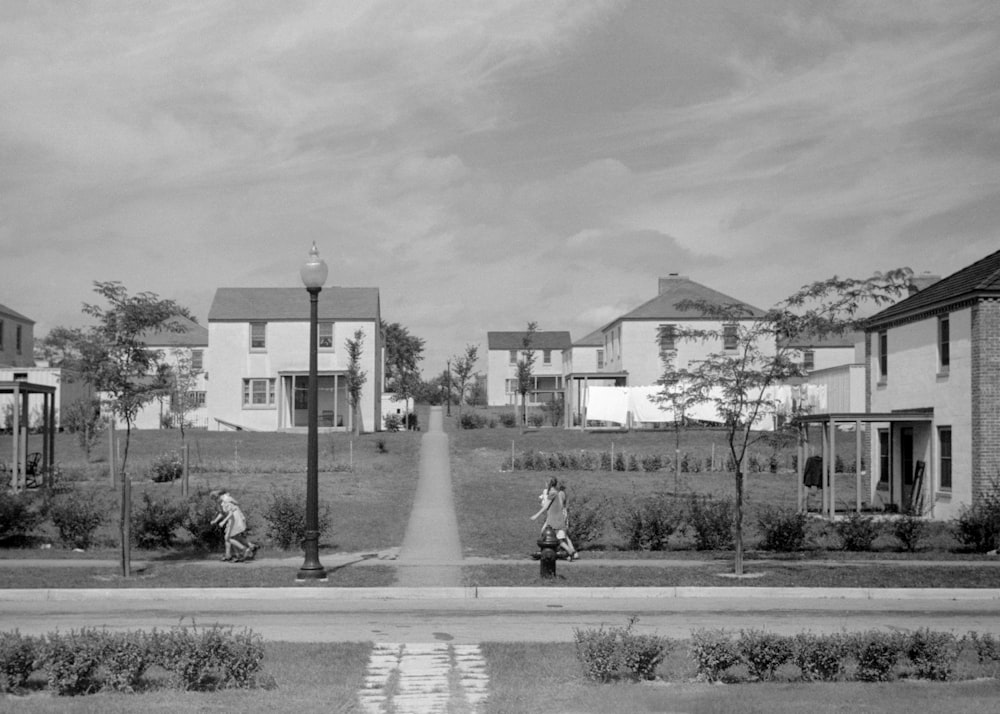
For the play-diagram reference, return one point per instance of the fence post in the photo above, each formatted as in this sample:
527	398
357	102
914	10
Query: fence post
184	473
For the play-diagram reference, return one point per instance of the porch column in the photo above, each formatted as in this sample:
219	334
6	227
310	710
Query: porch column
832	466
800	466
857	461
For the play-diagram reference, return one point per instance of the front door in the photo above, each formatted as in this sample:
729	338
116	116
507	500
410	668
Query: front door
906	465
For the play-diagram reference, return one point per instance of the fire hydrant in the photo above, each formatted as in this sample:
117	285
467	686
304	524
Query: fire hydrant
548	544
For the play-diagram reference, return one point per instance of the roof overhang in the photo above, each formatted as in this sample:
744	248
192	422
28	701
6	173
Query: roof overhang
903	415
18	386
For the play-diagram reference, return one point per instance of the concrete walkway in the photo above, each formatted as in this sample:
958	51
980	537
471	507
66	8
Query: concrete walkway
431	553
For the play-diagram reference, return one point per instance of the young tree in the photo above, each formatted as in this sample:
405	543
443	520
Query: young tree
738	381
183	379
113	357
525	367
356	377
462	367
403	353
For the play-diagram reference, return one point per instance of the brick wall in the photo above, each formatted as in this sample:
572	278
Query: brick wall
985	396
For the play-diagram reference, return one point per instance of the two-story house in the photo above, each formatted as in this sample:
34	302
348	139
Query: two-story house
583	368
17	339
259	341
505	349
933	364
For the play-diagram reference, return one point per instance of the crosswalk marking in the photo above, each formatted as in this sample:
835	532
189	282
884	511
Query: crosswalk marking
424	678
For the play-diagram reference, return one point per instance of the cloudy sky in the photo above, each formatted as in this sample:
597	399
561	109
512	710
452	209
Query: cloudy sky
487	163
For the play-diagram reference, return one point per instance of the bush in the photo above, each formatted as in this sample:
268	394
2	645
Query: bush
820	657
876	653
910	530
764	652
714	652
781	529
17	657
155	522
393	422
508	419
652	462
536	419
712	522
588	516
857	532
201	509
987	647
125	658
933	654
77	516
70	661
619	654
83	418
166	468
471	420
18	514
648	523
286	518
978	526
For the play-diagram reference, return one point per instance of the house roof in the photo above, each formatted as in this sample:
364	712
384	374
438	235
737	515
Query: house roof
558	340
976	281
594	339
675	289
4	310
335	303
191	335
848	339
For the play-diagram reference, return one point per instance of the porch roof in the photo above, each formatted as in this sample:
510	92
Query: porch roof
868	417
20	385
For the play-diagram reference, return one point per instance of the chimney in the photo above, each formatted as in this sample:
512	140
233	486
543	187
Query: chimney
669	281
922	281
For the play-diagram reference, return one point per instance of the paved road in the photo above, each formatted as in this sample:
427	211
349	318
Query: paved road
495	614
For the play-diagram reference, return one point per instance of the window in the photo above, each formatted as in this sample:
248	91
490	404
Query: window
511	386
17	339
883	355
808	360
944	342
600	359
512	357
944	448
258	335
668	338
192	400
198	398
546	356
883	456
1	334
197	360
324	335
729	337
258	393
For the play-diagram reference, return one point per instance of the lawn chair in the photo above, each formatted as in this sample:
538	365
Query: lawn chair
33	470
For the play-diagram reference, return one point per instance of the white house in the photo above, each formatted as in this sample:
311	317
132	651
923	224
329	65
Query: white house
17	340
259	341
583	367
505	349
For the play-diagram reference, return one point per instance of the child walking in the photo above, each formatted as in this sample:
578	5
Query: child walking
235	523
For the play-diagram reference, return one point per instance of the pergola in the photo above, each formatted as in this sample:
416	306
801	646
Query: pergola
21	392
829	424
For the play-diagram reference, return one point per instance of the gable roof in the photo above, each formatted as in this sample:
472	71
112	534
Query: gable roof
7	312
675	289
974	282
335	303
594	339
558	340
192	335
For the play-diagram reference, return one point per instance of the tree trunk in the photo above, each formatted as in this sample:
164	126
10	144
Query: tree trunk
738	525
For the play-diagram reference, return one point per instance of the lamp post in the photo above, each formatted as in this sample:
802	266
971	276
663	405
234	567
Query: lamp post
313	274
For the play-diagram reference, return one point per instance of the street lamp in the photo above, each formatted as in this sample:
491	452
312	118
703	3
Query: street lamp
313	274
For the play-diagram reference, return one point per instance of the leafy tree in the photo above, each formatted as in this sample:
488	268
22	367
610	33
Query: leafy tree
182	379
113	357
525	368
462	367
356	377
403	353
738	381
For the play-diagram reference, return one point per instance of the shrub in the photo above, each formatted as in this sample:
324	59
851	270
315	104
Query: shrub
987	647
244	652
166	468
201	509
764	652
909	529
857	532
781	529
17	657
933	654
508	419
619	654
820	657
155	521
648	523
77	516
714	652
712	522
619	460
588	516
978	526
471	420
209	658
70	661
125	658
83	418
286	518
652	462
876	653
394	422
18	514
536	419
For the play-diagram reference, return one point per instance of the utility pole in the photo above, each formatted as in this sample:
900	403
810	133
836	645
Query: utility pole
449	387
